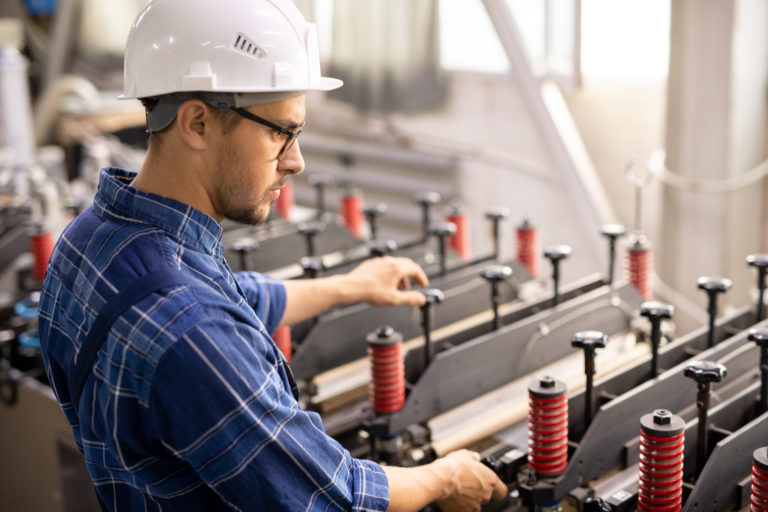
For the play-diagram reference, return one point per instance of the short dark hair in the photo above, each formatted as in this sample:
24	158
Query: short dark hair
229	120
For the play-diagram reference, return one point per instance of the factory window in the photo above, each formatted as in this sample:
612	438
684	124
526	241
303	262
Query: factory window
625	41
468	40
618	41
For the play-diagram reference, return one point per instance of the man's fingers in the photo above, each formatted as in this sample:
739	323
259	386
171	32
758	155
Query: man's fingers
410	269
500	490
411	298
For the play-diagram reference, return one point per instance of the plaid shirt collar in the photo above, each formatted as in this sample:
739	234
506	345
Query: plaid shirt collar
192	228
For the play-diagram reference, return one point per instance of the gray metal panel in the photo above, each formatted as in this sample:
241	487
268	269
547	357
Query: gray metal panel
670	355
601	448
485	363
339	336
730	462
287	248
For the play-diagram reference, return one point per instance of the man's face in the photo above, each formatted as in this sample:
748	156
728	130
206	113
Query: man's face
248	177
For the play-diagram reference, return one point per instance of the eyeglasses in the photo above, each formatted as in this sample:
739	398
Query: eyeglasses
292	135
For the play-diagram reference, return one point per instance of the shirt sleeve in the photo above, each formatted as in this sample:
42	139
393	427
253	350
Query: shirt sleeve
239	428
266	295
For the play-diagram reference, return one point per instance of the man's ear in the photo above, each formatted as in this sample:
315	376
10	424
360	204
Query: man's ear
193	120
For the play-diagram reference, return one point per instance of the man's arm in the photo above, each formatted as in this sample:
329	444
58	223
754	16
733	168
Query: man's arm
457	482
378	281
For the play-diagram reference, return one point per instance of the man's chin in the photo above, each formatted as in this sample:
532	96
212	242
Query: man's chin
251	217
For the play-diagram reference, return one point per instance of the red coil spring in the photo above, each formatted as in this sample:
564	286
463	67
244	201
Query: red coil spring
285	201
42	247
548	434
528	247
460	241
759	500
387	387
660	487
282	337
639	266
352	211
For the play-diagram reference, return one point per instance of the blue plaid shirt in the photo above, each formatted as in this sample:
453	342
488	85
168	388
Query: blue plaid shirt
188	406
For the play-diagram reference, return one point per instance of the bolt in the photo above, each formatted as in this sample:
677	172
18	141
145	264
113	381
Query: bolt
555	254
713	286
656	312
589	341
662	417
547	382
704	373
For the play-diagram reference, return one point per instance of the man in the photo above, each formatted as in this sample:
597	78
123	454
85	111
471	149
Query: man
187	404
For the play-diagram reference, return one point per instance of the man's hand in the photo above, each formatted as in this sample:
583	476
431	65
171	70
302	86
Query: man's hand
458	482
379	281
475	483
386	281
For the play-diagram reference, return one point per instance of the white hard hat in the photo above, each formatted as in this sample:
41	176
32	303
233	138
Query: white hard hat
222	46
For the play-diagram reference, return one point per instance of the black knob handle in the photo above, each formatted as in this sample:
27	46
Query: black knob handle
310	230
557	252
589	340
496	273
495	215
426	200
759	261
320	182
312	266
656	312
442	230
379	248
759	336
612	232
372	213
705	371
498	213
433	296
713	286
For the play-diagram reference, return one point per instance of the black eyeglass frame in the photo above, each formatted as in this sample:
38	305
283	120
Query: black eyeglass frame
292	135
